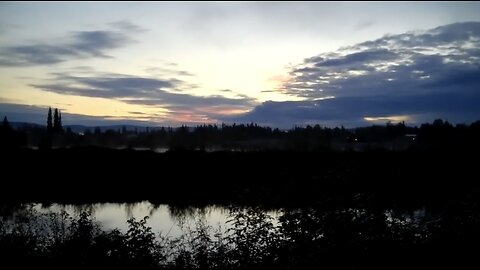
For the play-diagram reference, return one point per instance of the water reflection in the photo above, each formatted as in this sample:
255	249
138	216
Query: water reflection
320	237
163	218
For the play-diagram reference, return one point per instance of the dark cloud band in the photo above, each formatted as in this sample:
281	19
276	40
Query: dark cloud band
81	44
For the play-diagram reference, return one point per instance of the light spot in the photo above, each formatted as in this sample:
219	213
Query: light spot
393	118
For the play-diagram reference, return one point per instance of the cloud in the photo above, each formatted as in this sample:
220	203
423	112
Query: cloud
153	92
411	59
108	87
352	111
360	57
426	75
364	25
127	26
171	69
80	44
138	113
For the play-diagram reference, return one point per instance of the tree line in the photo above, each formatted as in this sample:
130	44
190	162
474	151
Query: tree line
246	137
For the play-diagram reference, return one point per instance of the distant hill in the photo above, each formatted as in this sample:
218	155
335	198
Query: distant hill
17	125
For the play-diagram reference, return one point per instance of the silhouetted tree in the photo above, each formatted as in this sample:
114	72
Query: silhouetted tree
49	121
6	125
60	125
5	134
57	121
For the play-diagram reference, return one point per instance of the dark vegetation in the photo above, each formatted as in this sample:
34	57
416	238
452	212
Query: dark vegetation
320	237
348	197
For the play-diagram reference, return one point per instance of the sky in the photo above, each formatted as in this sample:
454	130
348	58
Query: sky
280	64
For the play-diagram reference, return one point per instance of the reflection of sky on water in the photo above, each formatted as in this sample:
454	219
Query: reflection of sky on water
162	218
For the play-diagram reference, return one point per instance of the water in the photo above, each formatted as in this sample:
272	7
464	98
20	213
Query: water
173	221
165	219
162	218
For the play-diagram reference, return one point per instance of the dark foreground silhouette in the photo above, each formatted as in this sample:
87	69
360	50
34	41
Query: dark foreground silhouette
342	209
345	238
355	207
273	179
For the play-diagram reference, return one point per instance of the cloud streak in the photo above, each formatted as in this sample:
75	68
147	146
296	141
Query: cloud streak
127	26
80	44
152	92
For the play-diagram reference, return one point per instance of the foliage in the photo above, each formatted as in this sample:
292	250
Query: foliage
308	237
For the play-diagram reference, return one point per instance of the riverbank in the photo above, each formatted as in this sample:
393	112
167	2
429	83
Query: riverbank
270	179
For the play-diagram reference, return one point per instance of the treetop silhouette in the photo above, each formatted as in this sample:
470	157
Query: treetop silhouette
54	125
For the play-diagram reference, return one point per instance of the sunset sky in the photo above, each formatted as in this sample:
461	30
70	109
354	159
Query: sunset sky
273	63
